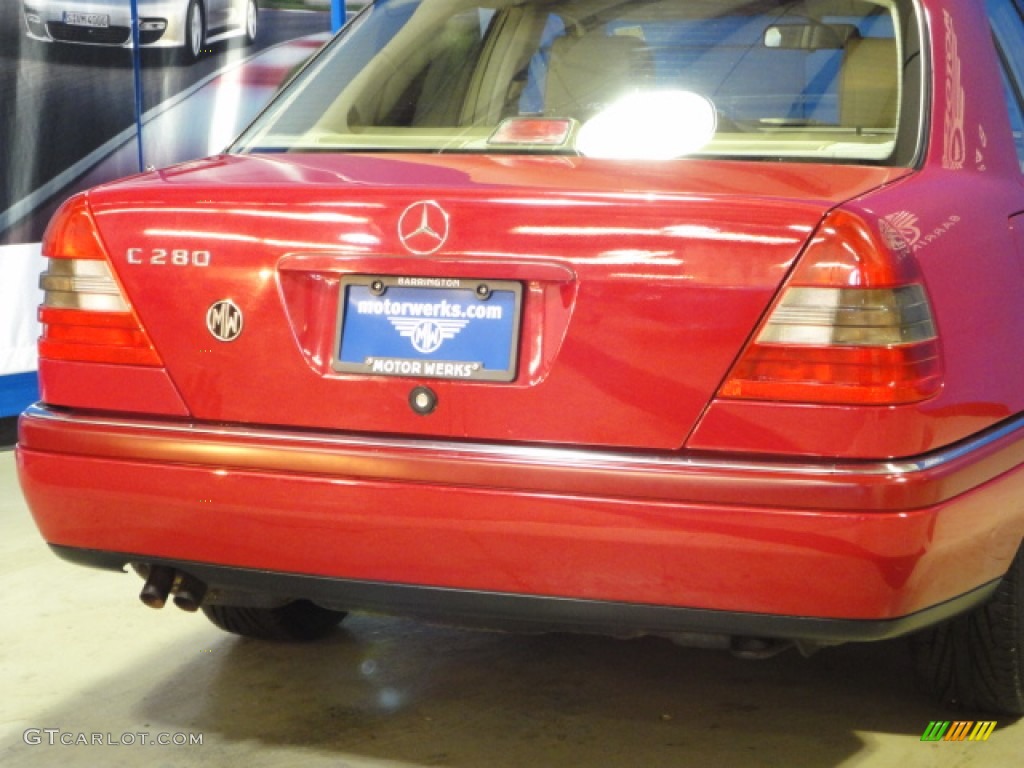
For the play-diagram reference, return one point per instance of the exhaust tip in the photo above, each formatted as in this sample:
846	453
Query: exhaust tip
189	592
157	587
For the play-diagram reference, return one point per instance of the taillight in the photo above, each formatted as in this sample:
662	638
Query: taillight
85	314
852	325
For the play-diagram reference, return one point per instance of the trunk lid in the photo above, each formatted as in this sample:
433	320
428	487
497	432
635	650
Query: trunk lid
639	284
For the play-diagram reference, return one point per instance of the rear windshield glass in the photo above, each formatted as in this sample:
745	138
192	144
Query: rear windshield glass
654	79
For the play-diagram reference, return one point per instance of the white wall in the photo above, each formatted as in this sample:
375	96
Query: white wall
20	297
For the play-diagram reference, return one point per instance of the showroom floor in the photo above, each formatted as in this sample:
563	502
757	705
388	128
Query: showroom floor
82	661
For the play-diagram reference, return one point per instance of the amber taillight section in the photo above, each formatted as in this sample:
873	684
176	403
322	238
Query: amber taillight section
85	314
851	326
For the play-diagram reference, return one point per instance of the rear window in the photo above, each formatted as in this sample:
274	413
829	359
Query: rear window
655	79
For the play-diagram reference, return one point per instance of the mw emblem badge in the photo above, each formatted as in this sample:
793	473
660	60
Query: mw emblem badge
224	320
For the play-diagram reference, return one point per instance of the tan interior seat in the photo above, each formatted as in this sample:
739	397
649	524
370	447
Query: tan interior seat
869	84
588	72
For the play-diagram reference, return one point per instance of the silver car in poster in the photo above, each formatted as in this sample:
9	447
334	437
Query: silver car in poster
185	26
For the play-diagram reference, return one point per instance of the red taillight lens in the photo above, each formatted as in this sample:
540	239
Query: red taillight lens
85	314
852	326
95	337
71	233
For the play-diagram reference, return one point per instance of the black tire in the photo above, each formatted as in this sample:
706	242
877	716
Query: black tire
975	661
195	32
298	621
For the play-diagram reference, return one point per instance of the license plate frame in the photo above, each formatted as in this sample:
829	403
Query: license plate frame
428	327
90	20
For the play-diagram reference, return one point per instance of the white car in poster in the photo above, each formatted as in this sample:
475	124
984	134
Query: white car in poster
185	26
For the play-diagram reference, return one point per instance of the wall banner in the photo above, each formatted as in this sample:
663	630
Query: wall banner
99	90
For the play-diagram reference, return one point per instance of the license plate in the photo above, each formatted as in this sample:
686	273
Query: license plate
86	19
428	327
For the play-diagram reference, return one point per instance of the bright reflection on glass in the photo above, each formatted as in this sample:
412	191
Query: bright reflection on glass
227	109
649	125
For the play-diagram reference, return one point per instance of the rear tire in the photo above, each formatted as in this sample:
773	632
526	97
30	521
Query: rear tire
976	661
298	621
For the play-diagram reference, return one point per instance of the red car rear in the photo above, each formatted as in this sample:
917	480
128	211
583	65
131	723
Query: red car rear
697	319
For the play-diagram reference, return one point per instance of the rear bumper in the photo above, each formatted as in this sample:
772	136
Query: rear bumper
506	610
859	550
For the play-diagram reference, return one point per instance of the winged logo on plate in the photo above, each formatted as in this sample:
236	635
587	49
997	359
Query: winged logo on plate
427	335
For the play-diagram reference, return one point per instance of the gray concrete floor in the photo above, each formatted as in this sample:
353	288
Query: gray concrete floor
82	659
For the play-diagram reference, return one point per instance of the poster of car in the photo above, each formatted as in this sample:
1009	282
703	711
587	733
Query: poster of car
99	89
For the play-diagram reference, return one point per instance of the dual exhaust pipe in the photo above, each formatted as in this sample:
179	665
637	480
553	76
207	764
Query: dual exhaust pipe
163	581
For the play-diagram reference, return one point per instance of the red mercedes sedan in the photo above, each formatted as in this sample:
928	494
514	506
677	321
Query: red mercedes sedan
695	318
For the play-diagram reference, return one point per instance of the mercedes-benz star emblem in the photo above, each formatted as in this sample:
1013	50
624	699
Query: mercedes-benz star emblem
423	227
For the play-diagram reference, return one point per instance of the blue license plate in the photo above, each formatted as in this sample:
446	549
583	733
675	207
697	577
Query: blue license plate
429	327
